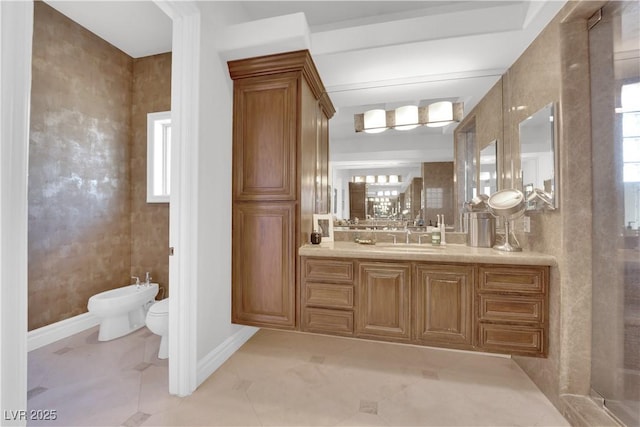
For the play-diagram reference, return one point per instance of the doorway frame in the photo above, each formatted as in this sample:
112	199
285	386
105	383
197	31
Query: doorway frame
183	206
16	32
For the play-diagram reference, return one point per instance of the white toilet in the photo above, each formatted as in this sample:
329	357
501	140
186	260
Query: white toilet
158	323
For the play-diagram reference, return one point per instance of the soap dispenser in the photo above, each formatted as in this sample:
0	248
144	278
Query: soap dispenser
435	234
316	237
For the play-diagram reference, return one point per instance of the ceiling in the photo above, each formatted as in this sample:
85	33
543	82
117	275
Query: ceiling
370	54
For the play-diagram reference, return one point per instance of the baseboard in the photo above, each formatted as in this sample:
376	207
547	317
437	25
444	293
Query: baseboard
59	330
212	361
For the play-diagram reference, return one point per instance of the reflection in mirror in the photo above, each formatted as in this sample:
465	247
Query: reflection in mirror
377	191
489	168
396	156
630	115
466	170
538	159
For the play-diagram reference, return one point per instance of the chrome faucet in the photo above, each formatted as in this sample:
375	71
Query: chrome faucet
395	239
137	280
420	236
408	233
147	279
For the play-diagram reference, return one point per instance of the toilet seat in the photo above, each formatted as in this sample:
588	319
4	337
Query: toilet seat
160	308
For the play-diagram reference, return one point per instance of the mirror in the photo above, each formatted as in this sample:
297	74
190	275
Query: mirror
390	154
408	191
466	169
538	160
489	168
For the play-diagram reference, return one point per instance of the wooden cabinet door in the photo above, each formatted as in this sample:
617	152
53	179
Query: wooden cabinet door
357	200
265	137
264	255
383	310
323	196
443	300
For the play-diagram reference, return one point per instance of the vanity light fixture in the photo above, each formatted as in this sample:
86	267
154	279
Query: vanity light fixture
440	114
409	117
375	121
377	179
406	118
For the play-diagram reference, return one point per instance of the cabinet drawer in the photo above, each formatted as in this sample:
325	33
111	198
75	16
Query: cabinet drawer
513	279
330	321
329	295
512	339
511	308
328	270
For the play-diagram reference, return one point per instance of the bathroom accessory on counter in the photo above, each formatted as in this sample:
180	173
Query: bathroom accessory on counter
482	230
443	231
508	204
324	224
540	200
316	237
122	310
435	235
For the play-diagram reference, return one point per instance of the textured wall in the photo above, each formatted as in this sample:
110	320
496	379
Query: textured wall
90	227
555	68
149	221
438	182
79	199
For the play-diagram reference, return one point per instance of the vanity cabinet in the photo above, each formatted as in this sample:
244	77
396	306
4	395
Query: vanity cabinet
327	298
263	294
468	306
384	301
512	309
443	305
280	179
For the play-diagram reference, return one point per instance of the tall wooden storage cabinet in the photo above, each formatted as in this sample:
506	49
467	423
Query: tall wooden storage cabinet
280	178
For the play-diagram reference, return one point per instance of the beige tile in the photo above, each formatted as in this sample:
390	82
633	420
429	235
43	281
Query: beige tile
282	378
94	360
154	391
363	419
303	395
98	400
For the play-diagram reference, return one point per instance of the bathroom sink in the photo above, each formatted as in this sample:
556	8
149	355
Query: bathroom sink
408	247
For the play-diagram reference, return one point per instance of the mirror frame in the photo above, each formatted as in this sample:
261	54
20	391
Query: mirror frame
495	143
555	194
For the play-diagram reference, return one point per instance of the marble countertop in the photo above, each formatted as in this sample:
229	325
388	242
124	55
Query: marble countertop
426	252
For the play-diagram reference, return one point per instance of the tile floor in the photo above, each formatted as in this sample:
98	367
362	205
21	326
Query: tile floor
284	379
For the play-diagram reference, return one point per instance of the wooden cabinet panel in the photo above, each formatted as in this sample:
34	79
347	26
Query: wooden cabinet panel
357	200
265	138
280	110
425	303
263	239
328	295
334	322
511	308
513	279
521	340
443	301
383	309
328	270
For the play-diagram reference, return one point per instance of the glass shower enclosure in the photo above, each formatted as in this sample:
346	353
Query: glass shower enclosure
614	46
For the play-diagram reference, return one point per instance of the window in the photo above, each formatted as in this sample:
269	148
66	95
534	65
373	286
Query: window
630	109
158	157
435	198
